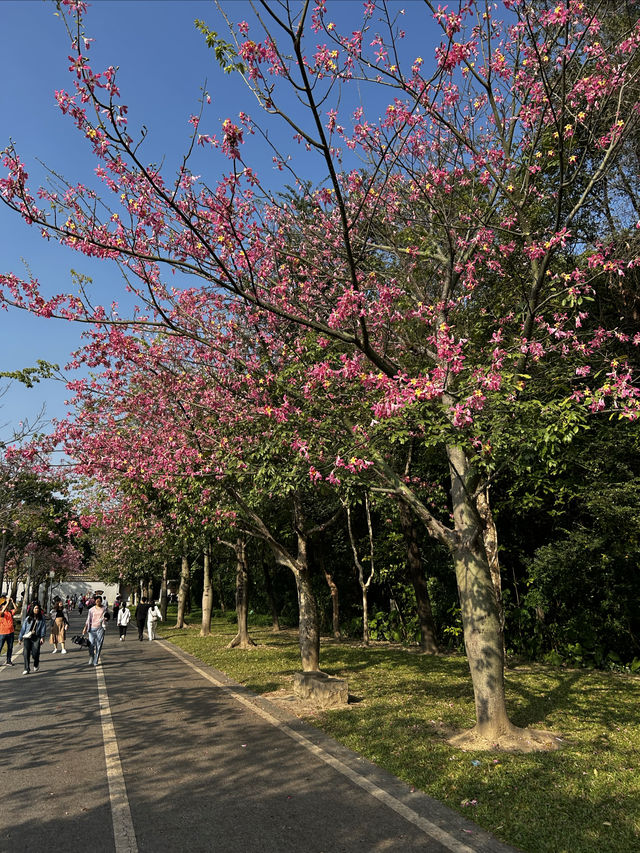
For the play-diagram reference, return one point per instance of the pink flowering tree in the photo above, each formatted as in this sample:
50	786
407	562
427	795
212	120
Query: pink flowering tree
443	267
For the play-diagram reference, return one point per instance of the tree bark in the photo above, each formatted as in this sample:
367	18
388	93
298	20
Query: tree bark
163	590
364	584
308	624
207	593
480	617
428	641
183	591
490	537
335	598
242	640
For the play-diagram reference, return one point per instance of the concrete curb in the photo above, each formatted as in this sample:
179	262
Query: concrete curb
439	823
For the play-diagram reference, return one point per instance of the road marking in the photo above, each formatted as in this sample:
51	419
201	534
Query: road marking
123	831
431	829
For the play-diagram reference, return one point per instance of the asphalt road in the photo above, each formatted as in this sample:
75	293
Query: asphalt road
156	752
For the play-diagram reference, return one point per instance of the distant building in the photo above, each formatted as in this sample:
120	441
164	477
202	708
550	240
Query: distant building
82	585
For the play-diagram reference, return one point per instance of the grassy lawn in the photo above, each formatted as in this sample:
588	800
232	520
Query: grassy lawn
581	799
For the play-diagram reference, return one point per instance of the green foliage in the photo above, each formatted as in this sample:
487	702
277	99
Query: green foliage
30	376
225	52
574	549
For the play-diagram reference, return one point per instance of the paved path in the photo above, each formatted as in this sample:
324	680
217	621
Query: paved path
154	752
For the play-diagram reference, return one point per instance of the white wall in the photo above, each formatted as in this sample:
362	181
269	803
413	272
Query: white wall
84	586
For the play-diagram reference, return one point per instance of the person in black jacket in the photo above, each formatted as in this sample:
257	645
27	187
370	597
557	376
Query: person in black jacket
32	635
141	615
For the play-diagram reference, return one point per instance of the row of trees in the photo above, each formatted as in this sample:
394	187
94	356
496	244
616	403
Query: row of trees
37	523
432	314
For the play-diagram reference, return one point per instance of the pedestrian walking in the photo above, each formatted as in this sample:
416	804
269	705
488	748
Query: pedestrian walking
59	625
80	605
7	627
141	615
95	628
124	617
153	617
32	634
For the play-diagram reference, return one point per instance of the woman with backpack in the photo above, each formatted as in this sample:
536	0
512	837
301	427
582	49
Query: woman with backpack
32	635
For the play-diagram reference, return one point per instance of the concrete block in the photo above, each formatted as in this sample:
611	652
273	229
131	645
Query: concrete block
320	689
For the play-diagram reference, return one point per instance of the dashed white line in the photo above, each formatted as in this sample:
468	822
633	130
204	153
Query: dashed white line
123	831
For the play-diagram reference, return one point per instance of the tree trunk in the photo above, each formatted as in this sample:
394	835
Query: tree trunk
183	591
27	590
364	584
207	594
365	614
268	587
242	640
163	590
480	618
335	598
490	537
428	641
308	624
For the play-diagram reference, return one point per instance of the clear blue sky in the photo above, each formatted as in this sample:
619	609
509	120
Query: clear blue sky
163	63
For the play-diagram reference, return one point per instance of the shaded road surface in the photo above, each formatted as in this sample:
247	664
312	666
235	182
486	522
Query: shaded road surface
154	751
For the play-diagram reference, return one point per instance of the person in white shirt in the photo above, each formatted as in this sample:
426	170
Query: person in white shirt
124	617
152	619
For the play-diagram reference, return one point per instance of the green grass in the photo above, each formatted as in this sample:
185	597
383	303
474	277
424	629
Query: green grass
580	799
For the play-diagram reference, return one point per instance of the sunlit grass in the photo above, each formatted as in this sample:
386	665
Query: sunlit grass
581	799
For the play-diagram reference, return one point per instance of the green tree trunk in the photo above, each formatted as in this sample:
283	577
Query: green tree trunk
480	615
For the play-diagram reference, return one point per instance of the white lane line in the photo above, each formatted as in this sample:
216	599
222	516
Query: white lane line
431	829
123	831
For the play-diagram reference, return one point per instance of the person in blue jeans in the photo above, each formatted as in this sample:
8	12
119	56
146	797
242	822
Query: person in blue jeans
7	612
95	627
31	635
